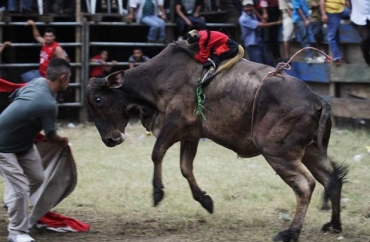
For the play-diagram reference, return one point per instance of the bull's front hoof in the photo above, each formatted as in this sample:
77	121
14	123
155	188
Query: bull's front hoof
332	227
158	195
207	203
286	236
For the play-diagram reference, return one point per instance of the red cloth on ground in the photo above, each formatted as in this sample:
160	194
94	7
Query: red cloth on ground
6	86
58	221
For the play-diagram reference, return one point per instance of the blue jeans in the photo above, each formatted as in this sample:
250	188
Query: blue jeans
333	26
26	4
30	75
157	28
259	54
198	23
301	31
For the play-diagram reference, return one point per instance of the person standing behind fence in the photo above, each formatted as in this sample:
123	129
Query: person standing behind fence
333	12
32	109
285	7
136	58
316	28
251	34
301	23
146	12
49	49
103	69
188	18
273	15
360	17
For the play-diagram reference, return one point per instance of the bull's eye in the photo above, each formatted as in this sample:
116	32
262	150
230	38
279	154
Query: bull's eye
98	101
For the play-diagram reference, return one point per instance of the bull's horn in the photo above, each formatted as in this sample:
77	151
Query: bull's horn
115	80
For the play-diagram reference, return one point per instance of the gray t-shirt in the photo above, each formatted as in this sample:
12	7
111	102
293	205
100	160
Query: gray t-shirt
33	109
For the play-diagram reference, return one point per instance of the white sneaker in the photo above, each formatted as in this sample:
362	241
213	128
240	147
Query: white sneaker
321	59
309	60
20	238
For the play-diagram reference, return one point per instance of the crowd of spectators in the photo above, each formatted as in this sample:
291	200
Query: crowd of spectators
260	21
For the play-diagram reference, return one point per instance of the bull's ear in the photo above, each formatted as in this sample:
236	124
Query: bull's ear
115	80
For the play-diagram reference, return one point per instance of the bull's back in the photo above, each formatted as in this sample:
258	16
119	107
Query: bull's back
228	106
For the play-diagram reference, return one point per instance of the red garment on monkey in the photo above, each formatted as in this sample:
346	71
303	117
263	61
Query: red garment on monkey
217	44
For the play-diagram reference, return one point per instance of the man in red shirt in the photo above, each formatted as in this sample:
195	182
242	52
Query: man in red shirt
49	49
214	47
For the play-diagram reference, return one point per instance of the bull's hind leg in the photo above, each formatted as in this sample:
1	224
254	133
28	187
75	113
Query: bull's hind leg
187	154
296	175
331	176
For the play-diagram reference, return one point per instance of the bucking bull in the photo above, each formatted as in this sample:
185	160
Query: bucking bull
285	122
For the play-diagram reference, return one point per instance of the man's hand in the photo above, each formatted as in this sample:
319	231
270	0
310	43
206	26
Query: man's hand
324	18
189	23
306	22
164	17
30	22
130	17
114	62
63	141
7	43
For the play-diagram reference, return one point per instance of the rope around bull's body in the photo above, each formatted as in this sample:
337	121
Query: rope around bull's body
281	66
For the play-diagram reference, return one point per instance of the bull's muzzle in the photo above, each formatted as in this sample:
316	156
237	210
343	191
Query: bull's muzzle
115	140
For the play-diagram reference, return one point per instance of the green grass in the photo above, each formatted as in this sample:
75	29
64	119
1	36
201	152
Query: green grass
114	189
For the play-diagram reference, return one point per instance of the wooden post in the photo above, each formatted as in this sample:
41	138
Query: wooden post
78	72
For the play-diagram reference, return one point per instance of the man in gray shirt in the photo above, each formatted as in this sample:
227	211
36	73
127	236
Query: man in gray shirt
33	109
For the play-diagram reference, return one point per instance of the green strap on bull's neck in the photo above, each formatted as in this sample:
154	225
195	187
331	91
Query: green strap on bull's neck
200	100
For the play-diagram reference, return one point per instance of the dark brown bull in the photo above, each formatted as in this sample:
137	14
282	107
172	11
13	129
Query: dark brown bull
291	126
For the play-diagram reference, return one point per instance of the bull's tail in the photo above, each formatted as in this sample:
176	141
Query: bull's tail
225	66
339	171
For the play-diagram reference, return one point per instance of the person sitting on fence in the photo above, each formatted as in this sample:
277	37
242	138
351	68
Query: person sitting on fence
188	18
5	44
103	69
136	58
146	12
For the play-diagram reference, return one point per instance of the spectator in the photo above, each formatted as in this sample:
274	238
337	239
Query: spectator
285	7
316	28
49	49
301	23
104	6
273	15
187	12
103	69
5	44
146	12
360	17
25	5
137	57
332	13
33	109
250	29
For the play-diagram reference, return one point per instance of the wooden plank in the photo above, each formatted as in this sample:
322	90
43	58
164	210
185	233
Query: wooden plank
350	108
354	90
350	73
309	72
